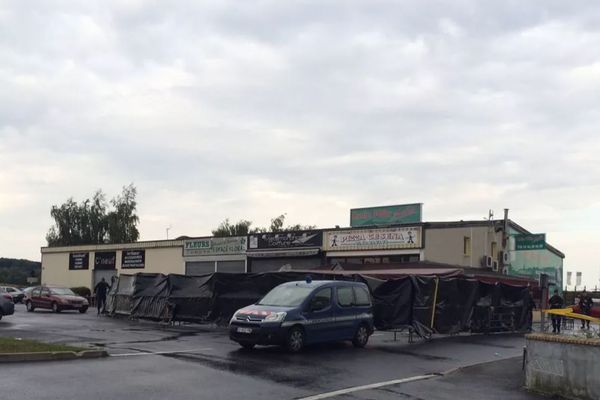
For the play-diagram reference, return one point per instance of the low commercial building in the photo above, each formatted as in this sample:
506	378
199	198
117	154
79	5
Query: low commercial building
500	246
469	244
214	254
74	266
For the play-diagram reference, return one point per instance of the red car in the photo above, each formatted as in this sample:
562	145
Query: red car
595	309
56	299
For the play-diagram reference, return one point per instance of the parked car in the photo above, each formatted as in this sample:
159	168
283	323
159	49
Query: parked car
16	294
27	292
56	299
7	306
294	314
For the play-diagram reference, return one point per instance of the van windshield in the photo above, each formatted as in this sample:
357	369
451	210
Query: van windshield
286	296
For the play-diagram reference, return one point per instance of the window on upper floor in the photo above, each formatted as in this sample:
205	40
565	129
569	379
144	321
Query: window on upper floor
467	246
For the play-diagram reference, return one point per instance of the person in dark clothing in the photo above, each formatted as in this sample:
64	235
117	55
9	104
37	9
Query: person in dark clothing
530	307
100	291
556	302
585	308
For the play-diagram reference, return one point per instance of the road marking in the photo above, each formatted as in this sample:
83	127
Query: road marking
368	387
159	353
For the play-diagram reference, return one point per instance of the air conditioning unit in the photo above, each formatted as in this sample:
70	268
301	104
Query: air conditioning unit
505	257
486	261
495	266
505	271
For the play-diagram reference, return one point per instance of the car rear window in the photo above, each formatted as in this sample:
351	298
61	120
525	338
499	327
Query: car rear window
362	296
345	296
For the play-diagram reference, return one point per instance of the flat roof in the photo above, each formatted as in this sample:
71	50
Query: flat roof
180	240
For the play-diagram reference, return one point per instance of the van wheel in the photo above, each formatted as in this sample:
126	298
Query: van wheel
295	339
361	337
29	306
55	308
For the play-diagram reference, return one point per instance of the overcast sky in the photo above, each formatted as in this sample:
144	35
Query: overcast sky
250	109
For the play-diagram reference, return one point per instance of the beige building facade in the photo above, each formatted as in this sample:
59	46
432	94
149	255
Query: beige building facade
470	244
74	266
464	244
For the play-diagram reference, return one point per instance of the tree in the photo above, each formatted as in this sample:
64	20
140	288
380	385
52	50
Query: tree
243	227
122	221
90	222
16	272
278	222
225	228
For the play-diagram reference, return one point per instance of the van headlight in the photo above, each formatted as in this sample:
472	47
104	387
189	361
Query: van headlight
275	317
235	314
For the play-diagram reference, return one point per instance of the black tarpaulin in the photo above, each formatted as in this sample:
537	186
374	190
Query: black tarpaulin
392	303
119	296
191	297
150	296
454	305
424	303
501	308
425	291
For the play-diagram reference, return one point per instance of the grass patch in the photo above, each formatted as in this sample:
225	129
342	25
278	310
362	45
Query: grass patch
12	345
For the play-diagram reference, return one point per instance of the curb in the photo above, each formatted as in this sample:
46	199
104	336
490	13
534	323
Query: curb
547	337
51	356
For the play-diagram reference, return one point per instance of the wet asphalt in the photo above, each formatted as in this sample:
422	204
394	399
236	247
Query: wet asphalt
150	361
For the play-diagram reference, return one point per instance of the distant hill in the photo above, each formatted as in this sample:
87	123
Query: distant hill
15	272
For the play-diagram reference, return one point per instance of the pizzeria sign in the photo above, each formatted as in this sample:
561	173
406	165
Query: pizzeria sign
374	239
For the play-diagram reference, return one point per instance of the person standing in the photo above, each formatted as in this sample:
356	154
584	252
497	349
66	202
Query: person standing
530	304
556	302
585	308
100	291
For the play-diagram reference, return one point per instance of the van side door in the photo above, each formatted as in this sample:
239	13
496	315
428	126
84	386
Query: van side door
319	316
344	312
363	307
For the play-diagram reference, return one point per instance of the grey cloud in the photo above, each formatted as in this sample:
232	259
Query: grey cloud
308	107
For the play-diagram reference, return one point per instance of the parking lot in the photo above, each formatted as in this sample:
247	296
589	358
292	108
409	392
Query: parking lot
149	361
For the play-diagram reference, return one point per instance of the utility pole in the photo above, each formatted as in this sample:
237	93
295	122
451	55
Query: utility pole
167	229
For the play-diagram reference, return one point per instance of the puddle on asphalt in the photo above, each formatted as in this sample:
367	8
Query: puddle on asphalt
295	375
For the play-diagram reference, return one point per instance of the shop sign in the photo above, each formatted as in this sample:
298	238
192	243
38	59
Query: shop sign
286	240
530	241
387	215
105	260
133	259
79	261
374	239
215	246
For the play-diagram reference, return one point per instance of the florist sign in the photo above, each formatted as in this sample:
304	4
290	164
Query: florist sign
215	246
